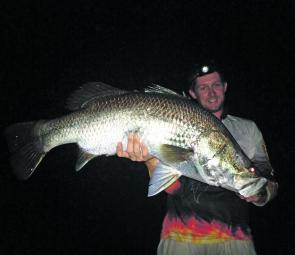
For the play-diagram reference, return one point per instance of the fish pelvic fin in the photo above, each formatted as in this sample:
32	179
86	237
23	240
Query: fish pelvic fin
89	92
25	145
162	177
83	158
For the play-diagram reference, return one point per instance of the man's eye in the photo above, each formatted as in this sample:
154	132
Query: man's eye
217	85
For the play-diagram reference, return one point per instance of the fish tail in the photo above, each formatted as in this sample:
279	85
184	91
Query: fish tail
25	144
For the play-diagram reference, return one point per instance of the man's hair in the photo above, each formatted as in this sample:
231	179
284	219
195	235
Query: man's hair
202	69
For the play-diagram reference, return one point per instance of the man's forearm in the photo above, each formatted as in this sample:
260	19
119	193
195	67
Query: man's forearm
151	165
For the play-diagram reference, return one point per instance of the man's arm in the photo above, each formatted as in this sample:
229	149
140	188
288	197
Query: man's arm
261	160
137	151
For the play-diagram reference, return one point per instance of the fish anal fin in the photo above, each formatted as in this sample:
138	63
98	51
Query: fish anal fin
83	158
162	177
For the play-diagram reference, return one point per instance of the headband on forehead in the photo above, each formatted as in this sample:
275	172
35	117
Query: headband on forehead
208	67
203	70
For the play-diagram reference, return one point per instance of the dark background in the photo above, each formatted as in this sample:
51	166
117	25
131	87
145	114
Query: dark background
49	48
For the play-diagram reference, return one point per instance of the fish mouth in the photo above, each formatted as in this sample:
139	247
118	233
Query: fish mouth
254	187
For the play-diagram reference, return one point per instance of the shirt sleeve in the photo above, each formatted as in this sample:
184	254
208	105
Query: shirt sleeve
259	153
173	187
262	163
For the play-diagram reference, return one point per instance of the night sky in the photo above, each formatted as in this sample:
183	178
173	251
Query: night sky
50	48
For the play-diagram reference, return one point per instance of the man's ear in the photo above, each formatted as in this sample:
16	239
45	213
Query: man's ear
192	94
225	86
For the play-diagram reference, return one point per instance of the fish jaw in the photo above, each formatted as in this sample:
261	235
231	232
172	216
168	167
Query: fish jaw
249	186
241	181
217	163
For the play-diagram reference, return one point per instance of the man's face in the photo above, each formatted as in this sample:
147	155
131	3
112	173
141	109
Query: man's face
209	91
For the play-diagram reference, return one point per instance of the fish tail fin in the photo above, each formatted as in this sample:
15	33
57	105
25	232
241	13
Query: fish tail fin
25	145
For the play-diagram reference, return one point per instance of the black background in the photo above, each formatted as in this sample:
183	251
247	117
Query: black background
49	48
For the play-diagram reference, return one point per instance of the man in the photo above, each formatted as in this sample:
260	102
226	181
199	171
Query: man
204	219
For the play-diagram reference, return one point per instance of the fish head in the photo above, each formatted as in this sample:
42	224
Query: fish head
221	163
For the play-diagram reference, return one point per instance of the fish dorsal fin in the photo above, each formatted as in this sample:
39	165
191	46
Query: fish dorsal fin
155	88
83	158
89	92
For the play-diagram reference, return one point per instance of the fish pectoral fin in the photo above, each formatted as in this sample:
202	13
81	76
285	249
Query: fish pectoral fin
83	158
162	177
173	154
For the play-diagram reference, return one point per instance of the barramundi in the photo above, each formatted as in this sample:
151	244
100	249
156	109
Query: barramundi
187	139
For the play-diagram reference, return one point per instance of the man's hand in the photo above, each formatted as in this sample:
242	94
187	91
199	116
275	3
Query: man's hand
272	188
136	151
253	199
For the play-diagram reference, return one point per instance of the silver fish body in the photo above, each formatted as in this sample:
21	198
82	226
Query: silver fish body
186	139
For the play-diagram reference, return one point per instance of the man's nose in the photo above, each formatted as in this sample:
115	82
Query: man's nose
211	91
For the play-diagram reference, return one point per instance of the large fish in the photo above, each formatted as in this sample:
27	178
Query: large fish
187	139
